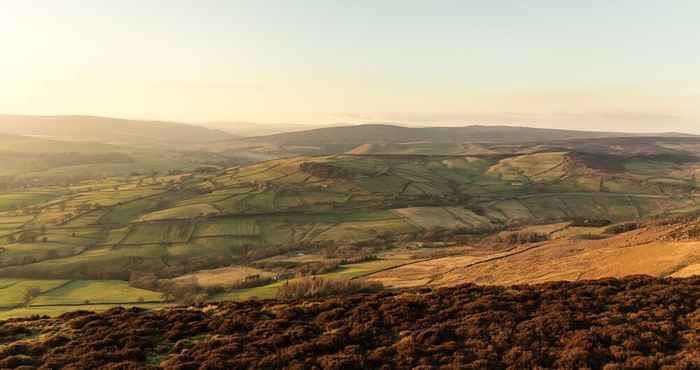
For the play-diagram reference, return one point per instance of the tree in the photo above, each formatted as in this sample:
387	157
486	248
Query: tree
186	292
143	280
30	294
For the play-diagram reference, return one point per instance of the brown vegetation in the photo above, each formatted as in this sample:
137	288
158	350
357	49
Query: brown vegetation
632	323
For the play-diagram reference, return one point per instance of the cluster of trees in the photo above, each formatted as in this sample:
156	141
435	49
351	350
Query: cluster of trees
622	228
589	222
182	291
252	282
522	237
314	287
325	170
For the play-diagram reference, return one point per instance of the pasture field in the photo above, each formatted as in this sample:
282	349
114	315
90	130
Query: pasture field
159	233
107	262
114	236
182	213
360	269
12	292
224	276
11	201
430	217
53	311
94	292
262	292
128	212
365	230
18	254
229	227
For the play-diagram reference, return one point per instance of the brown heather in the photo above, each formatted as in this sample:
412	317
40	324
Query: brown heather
632	323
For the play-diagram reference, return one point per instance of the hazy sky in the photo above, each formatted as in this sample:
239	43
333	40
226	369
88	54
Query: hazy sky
609	64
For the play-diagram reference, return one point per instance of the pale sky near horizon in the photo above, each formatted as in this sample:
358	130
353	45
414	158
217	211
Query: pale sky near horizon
626	65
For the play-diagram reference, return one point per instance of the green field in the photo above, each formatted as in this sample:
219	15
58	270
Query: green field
58	310
12	292
93	292
10	201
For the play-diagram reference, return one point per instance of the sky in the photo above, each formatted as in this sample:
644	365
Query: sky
623	65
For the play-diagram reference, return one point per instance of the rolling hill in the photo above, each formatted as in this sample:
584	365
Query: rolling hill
393	139
109	130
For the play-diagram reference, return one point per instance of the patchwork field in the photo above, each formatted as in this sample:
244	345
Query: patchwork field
202	222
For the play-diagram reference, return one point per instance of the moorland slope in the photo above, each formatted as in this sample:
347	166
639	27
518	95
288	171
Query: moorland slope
631	323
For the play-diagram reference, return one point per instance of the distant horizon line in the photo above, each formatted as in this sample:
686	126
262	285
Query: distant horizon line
313	126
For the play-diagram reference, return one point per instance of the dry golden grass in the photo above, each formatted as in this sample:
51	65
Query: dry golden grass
632	253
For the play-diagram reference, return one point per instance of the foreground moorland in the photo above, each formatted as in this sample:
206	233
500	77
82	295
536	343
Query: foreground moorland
630	323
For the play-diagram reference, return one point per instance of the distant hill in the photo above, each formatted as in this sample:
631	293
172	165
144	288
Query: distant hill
251	129
390	139
109	130
384	133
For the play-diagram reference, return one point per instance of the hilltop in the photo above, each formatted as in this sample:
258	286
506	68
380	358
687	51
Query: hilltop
636	322
139	133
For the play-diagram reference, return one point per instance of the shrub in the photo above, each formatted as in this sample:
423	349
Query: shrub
251	282
317	267
622	228
587	222
590	237
316	287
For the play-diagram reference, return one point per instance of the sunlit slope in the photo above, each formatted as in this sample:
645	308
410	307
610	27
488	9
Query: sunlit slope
660	248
